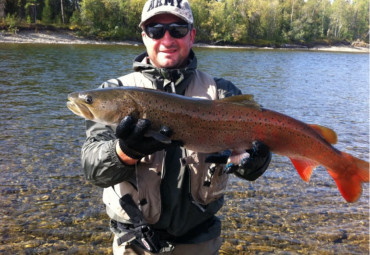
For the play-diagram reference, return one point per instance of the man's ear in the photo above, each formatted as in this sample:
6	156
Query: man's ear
144	37
193	33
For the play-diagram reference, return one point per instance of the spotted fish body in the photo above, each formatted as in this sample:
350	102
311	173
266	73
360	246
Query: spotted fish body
232	123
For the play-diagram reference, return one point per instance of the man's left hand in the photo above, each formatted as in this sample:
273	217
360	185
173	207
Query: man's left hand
250	167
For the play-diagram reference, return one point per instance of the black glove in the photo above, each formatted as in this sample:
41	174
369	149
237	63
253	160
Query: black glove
218	158
255	165
132	139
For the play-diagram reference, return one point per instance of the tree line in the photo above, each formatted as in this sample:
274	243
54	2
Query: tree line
259	22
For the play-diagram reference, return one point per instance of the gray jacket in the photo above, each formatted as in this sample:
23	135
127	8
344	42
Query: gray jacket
180	217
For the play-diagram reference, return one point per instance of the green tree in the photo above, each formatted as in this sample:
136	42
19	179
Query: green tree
46	12
216	21
31	7
308	26
100	14
131	10
236	22
271	20
2	10
201	15
112	18
254	12
360	21
339	22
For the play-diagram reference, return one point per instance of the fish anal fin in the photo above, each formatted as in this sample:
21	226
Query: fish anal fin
328	134
244	100
304	167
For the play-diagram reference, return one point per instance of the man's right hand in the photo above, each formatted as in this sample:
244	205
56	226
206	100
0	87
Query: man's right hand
132	140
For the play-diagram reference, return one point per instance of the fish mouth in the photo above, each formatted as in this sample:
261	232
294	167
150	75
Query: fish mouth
79	109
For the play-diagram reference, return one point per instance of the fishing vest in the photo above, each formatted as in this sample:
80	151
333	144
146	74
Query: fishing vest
207	181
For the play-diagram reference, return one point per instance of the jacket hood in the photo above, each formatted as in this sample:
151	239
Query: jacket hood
167	79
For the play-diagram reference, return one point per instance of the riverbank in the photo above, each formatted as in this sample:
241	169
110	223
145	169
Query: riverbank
68	37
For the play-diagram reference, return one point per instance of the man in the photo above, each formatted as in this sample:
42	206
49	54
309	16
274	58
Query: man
162	198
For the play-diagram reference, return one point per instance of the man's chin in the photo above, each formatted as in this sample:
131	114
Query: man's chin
168	64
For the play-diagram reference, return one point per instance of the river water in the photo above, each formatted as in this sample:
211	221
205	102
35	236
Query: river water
46	206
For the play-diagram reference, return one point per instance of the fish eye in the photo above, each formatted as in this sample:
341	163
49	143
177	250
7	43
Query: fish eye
88	99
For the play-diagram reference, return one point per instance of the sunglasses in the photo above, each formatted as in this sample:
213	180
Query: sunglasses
176	30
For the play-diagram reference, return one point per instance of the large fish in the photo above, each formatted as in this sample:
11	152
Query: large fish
231	123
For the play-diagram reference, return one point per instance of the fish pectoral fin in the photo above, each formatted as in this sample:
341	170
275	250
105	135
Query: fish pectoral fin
244	100
304	167
158	136
328	134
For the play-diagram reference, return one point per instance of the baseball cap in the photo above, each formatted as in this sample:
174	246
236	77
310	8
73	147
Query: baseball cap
179	8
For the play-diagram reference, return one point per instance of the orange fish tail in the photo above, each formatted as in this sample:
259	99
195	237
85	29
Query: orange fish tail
349	181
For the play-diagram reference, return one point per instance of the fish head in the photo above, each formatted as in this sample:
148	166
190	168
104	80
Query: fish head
101	105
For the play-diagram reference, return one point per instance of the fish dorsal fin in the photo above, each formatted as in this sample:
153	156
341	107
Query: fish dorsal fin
244	100
328	134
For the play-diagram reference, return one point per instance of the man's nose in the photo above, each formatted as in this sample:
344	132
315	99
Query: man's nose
167	38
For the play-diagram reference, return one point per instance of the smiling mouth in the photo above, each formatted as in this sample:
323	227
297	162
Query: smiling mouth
168	51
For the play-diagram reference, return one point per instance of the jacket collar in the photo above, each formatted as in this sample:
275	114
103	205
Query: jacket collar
164	79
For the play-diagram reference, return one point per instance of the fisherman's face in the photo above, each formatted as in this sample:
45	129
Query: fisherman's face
168	52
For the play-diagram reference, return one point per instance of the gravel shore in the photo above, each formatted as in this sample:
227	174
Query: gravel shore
65	37
51	37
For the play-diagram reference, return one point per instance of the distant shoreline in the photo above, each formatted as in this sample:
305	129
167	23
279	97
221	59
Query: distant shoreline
67	37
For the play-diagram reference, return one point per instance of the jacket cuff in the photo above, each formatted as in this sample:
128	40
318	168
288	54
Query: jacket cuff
115	158
130	152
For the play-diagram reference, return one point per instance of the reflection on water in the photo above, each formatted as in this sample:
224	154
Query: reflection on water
46	206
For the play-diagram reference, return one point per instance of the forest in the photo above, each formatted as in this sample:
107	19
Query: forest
236	22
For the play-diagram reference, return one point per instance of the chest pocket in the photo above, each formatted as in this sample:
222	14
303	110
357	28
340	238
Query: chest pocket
207	181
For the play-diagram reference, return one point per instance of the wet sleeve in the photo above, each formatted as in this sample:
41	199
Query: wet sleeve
99	159
100	162
226	88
